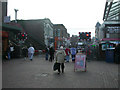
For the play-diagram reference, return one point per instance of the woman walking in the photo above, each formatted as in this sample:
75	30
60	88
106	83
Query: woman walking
60	56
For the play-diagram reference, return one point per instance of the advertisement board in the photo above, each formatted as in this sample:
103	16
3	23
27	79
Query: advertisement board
80	61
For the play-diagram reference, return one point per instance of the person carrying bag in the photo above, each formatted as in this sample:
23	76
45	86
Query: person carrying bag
60	55
56	66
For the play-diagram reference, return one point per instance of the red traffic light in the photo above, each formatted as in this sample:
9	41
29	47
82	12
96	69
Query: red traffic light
23	35
87	35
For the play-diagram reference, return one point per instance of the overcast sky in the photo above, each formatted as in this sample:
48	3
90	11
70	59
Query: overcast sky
76	15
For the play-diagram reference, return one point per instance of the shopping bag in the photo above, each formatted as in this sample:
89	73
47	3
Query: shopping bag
55	66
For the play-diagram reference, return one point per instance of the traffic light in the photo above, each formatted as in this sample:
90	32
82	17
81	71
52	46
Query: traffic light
22	36
88	35
84	36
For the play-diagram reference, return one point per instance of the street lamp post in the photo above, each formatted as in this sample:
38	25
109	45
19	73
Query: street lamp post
16	15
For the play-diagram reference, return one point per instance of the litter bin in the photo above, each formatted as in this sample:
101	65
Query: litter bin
110	55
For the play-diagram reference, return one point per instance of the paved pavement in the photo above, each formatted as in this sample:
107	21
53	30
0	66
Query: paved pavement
20	73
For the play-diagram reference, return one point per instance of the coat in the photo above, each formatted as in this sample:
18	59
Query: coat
67	51
60	56
25	51
31	50
51	51
73	51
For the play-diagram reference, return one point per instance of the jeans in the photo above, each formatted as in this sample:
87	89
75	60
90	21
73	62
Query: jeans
67	58
46	57
73	57
31	56
8	56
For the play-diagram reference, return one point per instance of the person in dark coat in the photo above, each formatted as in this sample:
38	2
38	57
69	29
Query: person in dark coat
25	52
51	52
117	54
8	53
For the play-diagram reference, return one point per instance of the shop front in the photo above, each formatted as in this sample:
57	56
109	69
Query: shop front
107	43
9	36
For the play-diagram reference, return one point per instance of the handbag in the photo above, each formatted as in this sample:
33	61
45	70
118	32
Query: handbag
55	66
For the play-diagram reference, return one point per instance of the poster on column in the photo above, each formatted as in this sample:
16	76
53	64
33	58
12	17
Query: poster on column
80	61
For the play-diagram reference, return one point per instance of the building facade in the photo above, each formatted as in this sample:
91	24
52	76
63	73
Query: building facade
108	33
48	32
39	31
74	40
111	24
8	32
60	35
97	32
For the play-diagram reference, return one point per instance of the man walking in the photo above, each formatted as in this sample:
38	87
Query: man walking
25	52
51	52
67	51
31	51
73	53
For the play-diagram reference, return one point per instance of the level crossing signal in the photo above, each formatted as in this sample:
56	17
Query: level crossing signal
84	36
22	36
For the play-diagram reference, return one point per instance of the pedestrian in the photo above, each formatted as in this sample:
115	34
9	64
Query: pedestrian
117	54
73	53
11	50
88	52
47	53
60	56
51	52
8	54
67	51
25	52
31	51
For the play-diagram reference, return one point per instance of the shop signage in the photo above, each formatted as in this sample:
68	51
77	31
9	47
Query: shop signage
113	29
80	61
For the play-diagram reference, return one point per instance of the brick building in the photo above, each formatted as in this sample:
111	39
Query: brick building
60	35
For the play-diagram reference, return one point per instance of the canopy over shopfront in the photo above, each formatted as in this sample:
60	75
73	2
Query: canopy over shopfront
110	40
109	43
8	32
13	27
